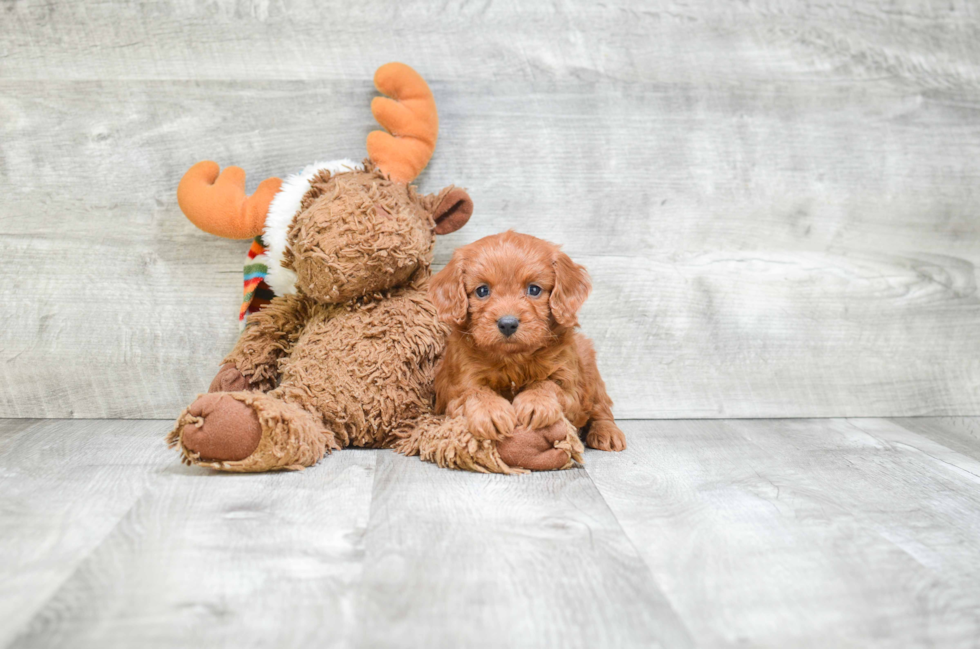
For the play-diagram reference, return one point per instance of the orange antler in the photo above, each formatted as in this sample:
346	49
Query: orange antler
218	204
410	118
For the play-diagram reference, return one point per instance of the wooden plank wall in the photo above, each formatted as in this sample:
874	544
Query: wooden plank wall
779	201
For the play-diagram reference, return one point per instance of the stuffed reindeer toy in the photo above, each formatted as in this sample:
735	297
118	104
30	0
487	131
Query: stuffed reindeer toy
344	354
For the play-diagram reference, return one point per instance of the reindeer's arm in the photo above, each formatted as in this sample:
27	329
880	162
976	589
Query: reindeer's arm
269	335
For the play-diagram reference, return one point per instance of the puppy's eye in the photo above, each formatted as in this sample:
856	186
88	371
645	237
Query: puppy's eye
482	290
533	290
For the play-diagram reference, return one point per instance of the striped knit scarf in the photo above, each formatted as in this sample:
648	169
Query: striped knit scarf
256	292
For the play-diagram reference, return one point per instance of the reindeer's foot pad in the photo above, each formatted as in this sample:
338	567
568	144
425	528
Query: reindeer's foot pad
605	436
248	432
219	428
542	449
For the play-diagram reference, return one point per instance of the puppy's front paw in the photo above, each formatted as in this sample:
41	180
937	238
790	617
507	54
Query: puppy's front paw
489	416
605	436
536	410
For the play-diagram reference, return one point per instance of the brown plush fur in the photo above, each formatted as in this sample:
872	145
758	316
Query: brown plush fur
541	374
350	359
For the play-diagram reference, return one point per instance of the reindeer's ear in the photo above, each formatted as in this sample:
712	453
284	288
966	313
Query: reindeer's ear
572	287
448	293
453	211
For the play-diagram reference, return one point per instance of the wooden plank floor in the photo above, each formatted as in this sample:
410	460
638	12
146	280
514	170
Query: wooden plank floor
704	533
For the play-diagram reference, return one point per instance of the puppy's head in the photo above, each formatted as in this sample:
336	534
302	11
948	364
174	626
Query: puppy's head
510	292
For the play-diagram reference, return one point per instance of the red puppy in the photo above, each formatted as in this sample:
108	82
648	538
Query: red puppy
514	357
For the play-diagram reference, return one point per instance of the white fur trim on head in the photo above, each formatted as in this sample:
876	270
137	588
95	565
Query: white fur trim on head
282	210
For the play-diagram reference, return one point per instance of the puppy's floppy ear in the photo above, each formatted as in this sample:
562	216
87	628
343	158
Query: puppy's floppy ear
448	293
453	210
572	287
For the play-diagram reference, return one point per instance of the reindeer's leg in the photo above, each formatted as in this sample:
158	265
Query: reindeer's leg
250	432
447	441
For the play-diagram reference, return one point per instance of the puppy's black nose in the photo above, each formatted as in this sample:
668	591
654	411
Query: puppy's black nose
508	325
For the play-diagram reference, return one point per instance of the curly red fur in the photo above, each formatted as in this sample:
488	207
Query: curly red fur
545	370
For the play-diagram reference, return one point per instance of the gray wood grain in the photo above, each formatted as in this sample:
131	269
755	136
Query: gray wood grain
765	194
64	486
632	40
803	533
961	434
462	560
194	557
204	559
714	533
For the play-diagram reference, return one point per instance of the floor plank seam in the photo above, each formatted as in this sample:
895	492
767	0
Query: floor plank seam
26	628
360	594
640	555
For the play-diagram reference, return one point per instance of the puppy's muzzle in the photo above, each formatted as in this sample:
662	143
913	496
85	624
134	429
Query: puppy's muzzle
508	325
